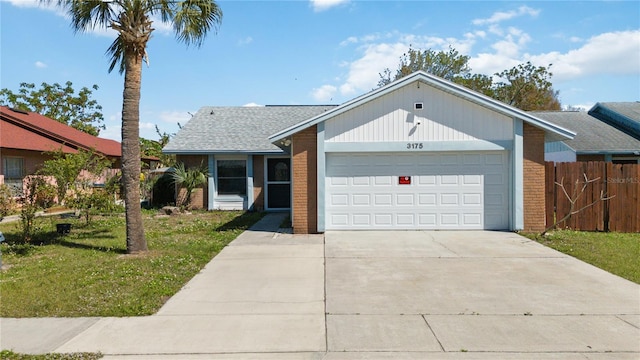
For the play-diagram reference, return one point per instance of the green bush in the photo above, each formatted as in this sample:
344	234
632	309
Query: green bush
7	203
45	193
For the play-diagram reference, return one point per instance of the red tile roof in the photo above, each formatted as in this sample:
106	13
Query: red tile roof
32	131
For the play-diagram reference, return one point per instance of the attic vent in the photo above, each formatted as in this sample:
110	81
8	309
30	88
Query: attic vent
19	111
418	106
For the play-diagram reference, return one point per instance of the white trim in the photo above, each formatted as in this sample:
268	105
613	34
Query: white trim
211	205
220	200
517	174
250	199
320	178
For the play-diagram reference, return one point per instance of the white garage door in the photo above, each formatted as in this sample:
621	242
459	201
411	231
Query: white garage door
462	190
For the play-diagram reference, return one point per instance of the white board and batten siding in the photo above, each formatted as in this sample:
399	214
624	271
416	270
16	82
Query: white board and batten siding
454	187
444	117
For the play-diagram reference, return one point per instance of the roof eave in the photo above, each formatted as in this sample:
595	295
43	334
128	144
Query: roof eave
212	152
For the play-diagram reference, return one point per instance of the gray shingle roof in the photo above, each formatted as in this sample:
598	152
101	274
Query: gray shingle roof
592	135
628	109
241	129
623	115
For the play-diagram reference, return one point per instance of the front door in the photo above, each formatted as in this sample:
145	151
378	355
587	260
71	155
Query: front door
278	183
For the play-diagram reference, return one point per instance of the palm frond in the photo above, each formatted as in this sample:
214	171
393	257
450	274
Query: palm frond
193	19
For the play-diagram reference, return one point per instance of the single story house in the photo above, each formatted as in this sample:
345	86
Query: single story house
595	140
418	153
26	138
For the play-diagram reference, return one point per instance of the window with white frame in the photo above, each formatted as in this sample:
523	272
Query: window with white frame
232	177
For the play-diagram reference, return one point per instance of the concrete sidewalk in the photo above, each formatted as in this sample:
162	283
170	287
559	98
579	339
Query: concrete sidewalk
262	293
369	295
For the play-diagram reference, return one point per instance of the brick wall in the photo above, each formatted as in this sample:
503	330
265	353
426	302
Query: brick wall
198	196
304	165
258	182
534	179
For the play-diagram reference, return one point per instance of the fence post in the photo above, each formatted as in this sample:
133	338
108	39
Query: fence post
550	191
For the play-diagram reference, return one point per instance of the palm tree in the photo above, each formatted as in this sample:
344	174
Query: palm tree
189	179
132	19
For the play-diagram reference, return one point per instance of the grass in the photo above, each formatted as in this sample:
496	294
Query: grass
10	355
87	272
617	253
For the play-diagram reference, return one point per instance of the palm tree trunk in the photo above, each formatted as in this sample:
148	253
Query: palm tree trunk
131	153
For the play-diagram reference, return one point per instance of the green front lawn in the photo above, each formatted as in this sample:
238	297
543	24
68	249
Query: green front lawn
10	355
88	273
617	253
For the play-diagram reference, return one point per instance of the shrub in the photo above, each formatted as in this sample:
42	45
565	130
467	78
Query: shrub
7	203
45	193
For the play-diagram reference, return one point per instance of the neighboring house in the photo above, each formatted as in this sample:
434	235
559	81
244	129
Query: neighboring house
624	116
595	140
25	137
418	153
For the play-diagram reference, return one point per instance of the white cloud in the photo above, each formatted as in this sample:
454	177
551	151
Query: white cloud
246	41
349	40
363	73
489	64
324	93
40	65
608	53
173	117
24	3
501	16
322	5
252	104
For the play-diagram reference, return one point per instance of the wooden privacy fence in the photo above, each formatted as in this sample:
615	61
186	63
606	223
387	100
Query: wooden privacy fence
619	182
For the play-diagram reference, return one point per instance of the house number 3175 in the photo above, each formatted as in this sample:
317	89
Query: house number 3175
414	146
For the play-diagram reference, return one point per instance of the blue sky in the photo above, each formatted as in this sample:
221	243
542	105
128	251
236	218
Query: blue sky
327	52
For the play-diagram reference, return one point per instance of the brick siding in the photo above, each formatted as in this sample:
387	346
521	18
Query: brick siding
534	178
304	161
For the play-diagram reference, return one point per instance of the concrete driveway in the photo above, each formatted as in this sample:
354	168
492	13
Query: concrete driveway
369	295
472	294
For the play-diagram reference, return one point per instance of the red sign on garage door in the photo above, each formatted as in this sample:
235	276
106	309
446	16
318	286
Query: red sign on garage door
404	180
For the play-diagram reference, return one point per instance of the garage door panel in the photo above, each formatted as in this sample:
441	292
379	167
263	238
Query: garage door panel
361	181
339	219
384	220
338	181
361	199
404	199
427	199
361	219
405	219
449	180
338	200
449	199
427	180
428	220
493	159
383	199
472	199
471	180
446	191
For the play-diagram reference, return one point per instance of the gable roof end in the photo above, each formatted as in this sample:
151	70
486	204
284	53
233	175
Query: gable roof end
553	132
